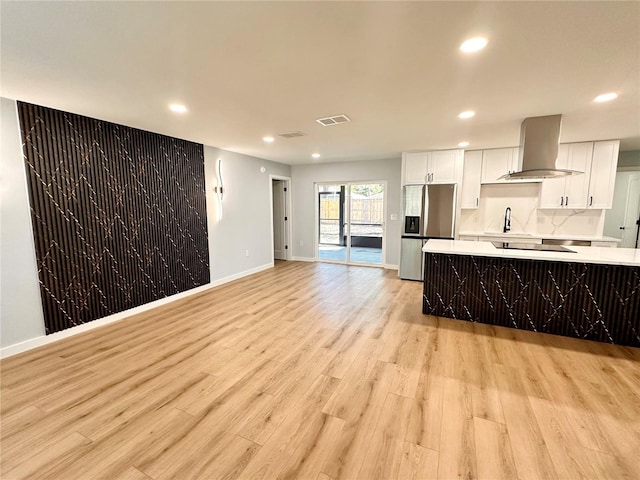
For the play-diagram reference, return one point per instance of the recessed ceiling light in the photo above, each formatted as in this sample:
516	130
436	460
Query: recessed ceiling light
605	97
315	155
467	114
474	44
177	108
463	144
268	139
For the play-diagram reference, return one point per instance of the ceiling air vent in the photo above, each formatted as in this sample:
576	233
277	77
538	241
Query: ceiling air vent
335	120
292	135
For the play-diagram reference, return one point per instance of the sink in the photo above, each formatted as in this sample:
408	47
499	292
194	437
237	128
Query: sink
531	246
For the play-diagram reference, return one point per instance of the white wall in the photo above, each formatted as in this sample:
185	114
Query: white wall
21	315
303	201
245	225
615	217
246	212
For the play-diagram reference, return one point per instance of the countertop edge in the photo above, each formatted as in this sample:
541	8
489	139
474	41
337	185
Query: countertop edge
551	236
596	255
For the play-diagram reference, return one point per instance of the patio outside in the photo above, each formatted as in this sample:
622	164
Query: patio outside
367	213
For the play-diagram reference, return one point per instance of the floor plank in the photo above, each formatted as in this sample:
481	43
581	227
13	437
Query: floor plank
317	371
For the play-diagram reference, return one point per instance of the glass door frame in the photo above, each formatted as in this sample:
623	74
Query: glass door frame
347	222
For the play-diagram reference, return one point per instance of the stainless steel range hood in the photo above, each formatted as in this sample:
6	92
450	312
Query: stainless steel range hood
539	140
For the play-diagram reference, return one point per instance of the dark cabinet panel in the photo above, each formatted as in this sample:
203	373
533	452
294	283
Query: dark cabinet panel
589	301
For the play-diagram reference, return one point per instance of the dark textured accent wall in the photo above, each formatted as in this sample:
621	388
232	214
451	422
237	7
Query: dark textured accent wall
119	216
588	301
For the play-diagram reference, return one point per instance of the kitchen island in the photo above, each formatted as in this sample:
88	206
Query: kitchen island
587	292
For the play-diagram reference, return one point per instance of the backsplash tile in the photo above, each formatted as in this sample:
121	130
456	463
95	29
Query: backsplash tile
522	198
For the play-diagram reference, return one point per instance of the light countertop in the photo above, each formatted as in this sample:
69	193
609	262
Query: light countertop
541	235
601	255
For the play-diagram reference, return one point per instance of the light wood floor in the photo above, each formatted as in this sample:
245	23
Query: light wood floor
318	371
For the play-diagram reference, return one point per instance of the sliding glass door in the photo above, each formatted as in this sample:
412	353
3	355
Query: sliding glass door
332	240
351	223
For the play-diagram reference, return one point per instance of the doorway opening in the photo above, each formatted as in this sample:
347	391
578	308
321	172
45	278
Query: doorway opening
623	219
350	223
280	217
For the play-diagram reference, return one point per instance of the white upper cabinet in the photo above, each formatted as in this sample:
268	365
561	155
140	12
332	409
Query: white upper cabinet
498	162
414	168
594	188
570	191
552	189
577	186
444	166
603	174
471	177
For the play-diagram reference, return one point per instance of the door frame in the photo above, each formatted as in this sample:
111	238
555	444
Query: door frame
287	211
629	205
316	223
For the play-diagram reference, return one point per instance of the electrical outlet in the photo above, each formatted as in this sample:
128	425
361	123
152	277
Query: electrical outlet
394	216
246	253
301	243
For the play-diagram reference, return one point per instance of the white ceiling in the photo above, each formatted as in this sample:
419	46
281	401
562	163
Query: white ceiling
250	69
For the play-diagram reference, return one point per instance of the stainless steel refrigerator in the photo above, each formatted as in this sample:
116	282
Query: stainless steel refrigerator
428	211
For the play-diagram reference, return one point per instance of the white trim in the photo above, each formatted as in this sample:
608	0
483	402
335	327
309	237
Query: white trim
239	275
348	220
388	266
70	332
303	259
288	210
316	219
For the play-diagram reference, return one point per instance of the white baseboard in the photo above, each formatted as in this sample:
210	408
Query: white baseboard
303	259
237	276
54	337
311	259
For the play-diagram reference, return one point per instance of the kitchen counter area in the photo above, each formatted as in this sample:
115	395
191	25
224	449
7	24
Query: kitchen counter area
600	255
586	292
540	236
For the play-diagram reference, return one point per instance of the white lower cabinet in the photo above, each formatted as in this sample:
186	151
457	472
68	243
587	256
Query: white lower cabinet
604	243
512	238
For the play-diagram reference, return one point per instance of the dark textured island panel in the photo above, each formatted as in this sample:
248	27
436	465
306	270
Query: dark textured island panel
588	301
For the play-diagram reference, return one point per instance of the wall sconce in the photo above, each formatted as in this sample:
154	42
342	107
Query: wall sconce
218	189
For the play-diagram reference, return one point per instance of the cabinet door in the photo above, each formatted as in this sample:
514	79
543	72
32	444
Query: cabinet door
552	190
471	172
595	243
444	166
415	168
577	186
495	163
515	165
603	174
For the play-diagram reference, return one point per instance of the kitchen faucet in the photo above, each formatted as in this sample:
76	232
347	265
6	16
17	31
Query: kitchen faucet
507	220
